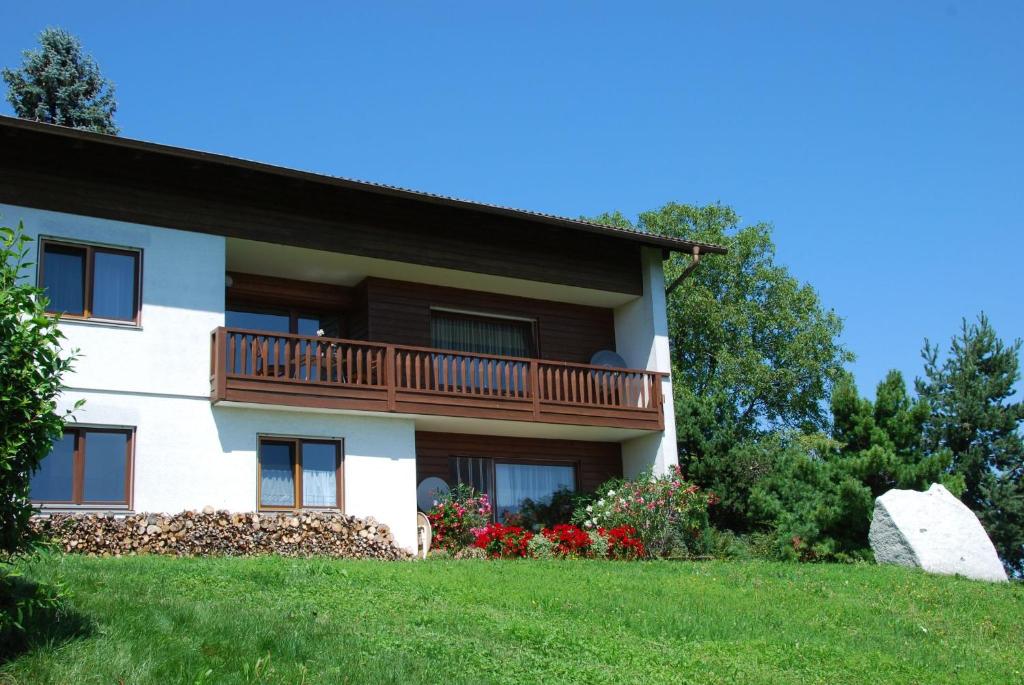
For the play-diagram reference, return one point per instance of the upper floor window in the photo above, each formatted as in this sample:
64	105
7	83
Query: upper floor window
482	334
87	466
90	282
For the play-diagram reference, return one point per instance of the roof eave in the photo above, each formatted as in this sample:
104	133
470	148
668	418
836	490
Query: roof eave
12	124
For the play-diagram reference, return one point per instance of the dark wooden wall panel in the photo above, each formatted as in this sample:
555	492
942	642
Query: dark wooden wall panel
94	179
595	462
399	312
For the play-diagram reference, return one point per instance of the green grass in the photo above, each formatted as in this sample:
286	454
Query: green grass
274	620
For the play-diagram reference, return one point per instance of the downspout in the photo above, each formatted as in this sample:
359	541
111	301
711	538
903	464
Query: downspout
686	272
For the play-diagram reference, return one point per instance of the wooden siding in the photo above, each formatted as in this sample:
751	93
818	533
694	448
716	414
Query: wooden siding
95	178
399	312
595	462
269	291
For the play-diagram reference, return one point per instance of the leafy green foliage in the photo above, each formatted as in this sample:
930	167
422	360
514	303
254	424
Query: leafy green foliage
31	367
58	84
975	418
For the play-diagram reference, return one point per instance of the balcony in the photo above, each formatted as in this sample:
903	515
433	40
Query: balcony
257	367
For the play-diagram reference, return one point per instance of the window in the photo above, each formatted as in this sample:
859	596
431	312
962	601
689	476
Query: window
509	484
300	474
482	334
87	466
282	321
89	282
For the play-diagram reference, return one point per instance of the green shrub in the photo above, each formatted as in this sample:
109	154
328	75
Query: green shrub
31	367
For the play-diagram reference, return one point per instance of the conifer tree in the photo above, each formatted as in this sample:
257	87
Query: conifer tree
58	84
975	417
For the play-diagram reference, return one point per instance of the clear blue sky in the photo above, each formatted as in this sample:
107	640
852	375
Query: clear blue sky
885	141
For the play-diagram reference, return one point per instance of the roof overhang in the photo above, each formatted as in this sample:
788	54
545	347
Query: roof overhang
10	126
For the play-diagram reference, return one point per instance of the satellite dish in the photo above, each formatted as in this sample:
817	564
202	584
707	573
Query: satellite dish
608	358
430	489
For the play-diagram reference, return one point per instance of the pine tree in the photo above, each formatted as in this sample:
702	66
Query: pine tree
882	444
974	416
58	84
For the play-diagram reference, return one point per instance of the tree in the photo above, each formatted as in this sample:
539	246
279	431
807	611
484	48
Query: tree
753	351
882	444
819	498
31	367
59	85
974	417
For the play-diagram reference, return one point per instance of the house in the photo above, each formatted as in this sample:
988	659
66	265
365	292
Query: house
255	337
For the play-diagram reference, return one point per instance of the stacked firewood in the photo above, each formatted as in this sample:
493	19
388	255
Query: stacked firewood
209	532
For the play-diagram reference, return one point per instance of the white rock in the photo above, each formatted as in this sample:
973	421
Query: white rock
935	531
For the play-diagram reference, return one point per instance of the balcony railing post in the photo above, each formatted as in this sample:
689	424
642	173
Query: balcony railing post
390	375
535	387
218	363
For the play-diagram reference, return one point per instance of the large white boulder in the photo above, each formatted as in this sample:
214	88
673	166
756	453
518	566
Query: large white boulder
935	531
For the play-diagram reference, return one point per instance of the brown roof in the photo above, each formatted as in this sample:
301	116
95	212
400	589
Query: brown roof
664	242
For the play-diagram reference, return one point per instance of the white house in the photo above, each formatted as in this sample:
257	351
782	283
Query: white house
254	337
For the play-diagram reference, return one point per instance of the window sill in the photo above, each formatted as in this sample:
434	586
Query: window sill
56	508
101	323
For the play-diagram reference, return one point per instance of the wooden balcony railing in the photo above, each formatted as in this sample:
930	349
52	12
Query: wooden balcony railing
294	370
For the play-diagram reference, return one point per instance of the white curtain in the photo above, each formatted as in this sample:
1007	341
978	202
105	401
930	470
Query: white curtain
517	482
319	475
319	487
277	484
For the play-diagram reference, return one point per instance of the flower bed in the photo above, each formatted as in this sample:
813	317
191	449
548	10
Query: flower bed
499	541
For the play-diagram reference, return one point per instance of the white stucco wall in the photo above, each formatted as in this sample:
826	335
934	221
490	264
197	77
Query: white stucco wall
155	378
641	338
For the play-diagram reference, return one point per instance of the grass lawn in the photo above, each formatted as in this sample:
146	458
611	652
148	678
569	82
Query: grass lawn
275	620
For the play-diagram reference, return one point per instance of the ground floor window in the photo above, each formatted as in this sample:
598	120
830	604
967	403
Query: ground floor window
87	466
513	485
298	473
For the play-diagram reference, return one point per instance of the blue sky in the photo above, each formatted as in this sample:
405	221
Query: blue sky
883	140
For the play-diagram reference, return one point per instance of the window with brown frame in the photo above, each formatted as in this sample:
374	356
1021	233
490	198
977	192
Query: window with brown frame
91	282
300	473
87	466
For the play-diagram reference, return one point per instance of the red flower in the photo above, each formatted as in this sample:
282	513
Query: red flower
569	540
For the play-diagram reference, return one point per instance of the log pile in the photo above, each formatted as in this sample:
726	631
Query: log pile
209	532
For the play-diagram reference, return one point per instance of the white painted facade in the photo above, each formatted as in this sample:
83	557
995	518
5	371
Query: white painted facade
155	378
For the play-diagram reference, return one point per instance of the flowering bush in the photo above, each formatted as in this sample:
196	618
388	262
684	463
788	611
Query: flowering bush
665	514
454	517
501	541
